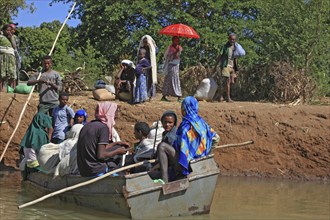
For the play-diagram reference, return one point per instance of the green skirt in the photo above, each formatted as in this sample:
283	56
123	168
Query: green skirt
7	66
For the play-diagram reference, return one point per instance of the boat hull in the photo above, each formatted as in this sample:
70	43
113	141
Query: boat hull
136	195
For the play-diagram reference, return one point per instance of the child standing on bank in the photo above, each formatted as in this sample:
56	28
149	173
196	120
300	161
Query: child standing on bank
140	92
62	117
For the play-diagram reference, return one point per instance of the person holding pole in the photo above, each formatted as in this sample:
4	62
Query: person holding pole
36	78
49	85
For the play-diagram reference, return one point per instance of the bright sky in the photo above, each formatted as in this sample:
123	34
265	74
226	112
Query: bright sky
44	13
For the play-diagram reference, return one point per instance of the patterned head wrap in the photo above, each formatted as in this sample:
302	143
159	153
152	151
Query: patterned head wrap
194	135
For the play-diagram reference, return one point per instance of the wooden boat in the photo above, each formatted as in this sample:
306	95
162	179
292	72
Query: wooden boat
136	195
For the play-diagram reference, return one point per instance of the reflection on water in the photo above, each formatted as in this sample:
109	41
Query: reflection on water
250	198
235	198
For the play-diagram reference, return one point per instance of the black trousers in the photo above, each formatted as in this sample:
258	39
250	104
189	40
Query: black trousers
167	156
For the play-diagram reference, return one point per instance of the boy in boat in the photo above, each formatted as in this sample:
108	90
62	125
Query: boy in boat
62	117
169	165
95	148
143	150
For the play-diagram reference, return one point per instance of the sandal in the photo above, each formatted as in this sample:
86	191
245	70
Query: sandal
164	99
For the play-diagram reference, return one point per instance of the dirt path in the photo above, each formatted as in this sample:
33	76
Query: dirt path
290	142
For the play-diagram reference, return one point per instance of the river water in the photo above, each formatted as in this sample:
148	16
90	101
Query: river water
235	198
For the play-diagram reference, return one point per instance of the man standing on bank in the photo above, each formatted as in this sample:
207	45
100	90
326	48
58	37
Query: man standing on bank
49	85
228	64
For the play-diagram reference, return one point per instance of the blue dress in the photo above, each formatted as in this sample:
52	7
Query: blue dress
140	91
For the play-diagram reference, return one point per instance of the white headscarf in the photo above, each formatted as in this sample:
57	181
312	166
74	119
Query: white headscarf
152	47
129	63
65	147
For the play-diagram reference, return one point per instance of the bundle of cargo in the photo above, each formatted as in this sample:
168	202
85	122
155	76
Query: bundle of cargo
74	82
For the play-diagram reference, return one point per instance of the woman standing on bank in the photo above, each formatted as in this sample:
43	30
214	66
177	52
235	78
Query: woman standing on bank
150	46
7	58
172	85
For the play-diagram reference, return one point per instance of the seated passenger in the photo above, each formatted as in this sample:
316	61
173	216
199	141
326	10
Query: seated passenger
67	153
143	150
95	149
62	119
194	140
169	121
80	117
146	148
51	155
38	134
124	81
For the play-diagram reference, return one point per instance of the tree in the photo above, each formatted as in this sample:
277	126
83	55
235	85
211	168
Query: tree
9	8
295	31
36	42
115	29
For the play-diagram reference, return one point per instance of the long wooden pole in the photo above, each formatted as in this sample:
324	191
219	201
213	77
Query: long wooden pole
32	89
235	145
59	32
84	183
157	166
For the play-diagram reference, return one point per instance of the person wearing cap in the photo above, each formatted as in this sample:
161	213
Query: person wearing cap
125	78
80	117
7	58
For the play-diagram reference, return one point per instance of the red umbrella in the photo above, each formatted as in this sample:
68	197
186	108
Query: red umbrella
180	30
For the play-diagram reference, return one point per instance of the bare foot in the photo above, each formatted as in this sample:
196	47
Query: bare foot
230	100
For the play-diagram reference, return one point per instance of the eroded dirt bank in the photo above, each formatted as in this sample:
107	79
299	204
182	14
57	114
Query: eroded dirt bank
290	142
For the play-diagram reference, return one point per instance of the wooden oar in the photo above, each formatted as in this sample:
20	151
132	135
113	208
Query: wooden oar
235	145
157	166
85	183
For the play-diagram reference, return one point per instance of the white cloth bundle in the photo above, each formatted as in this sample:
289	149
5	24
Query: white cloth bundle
206	89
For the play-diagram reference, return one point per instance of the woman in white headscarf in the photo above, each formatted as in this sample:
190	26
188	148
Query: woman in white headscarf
150	46
53	156
67	153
